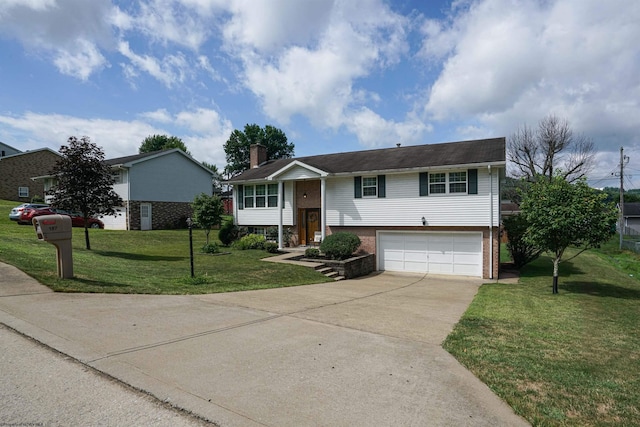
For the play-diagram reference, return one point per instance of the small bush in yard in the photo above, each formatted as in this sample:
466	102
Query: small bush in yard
250	241
210	248
312	253
271	247
228	233
340	245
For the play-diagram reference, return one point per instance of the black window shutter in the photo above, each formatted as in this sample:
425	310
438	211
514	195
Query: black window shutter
472	176
240	197
424	183
382	186
357	187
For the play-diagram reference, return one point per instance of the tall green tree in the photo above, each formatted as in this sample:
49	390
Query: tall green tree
217	177
562	214
237	146
207	212
85	182
161	142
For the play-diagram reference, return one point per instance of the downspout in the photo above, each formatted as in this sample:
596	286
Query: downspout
280	219
490	223
128	199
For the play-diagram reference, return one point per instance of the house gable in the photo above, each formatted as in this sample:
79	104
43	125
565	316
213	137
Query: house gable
17	171
297	170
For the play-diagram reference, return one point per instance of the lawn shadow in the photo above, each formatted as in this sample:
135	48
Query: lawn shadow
140	257
599	289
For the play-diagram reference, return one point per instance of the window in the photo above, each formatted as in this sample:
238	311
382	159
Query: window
261	193
117	177
260	196
369	186
437	183
272	195
248	196
457	182
23	191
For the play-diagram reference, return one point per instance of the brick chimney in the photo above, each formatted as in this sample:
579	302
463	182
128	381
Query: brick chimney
257	155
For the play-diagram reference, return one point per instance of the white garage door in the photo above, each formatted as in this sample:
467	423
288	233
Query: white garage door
437	253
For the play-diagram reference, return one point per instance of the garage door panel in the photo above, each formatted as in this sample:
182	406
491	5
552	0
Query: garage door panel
437	253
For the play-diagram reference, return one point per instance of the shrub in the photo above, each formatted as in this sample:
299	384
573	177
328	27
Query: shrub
250	241
228	233
521	252
312	253
210	248
340	245
271	247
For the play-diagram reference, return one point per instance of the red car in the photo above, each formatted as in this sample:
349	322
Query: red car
76	218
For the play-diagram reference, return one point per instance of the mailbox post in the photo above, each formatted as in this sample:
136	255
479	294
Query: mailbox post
56	229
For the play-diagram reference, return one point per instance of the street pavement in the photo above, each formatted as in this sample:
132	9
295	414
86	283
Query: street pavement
41	387
358	352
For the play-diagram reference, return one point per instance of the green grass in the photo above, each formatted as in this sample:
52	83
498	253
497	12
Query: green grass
571	359
145	262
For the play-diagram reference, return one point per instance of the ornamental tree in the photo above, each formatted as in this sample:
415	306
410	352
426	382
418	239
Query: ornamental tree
562	214
207	212
85	182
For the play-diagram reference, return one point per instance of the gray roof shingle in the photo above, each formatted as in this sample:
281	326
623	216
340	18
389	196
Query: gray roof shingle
392	159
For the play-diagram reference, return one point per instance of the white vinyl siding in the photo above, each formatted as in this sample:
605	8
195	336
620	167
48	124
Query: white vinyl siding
403	205
268	216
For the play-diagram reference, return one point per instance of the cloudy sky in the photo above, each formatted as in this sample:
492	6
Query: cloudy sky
333	75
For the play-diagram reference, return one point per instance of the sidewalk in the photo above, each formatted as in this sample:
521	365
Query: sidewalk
352	353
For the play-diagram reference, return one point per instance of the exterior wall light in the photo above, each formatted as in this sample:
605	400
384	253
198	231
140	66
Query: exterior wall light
424	221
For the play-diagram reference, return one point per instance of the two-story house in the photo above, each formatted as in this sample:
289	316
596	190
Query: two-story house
425	208
157	189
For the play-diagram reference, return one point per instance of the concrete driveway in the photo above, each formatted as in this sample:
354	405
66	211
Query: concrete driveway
352	353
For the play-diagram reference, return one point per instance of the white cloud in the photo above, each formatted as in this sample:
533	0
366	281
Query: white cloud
161	116
81	62
207	132
508	64
171	70
374	131
311	70
204	121
166	21
71	32
268	26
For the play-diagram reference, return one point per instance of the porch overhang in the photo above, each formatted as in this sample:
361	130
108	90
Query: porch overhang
297	170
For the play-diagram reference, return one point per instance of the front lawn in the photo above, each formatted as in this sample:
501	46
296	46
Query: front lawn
571	359
145	262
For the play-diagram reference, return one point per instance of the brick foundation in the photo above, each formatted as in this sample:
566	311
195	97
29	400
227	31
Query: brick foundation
164	215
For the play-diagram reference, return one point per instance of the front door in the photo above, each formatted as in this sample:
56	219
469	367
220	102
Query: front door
145	216
308	224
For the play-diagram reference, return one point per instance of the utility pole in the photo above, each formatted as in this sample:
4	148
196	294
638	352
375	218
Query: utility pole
623	158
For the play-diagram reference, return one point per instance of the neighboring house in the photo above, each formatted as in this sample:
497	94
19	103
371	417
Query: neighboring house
16	171
157	189
631	218
7	150
425	208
